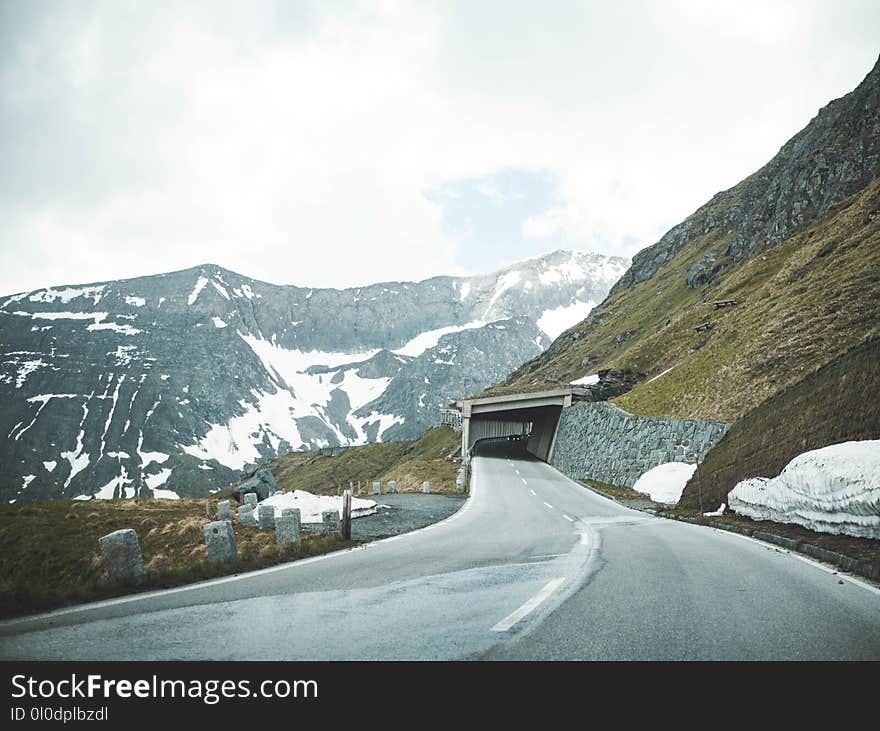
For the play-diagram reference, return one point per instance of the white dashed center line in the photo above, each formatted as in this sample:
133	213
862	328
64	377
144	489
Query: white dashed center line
530	606
533	493
549	505
568	518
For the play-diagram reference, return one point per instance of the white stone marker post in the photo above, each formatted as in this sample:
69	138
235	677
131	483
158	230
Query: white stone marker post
246	515
122	554
287	527
224	510
220	539
266	517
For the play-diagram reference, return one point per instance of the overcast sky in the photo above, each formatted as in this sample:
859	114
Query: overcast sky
339	143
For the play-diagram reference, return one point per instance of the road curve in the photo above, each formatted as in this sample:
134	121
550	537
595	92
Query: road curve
533	567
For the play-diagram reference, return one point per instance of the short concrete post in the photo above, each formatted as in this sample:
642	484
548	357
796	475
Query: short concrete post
266	517
224	510
392	486
287	527
251	499
377	488
426	487
330	524
220	539
295	512
122	554
246	515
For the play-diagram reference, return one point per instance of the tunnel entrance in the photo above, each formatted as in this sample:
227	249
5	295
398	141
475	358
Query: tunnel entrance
532	417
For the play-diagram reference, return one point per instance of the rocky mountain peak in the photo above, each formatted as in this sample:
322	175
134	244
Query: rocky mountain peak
175	384
834	156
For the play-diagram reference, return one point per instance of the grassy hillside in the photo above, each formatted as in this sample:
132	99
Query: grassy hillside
49	555
835	404
796	244
802	303
409	463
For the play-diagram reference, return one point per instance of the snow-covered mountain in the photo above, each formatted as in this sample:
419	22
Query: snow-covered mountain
177	383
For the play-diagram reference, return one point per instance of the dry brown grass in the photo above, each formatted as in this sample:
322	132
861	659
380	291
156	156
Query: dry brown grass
49	554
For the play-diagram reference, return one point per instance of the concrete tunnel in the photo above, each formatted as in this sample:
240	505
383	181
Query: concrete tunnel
532	414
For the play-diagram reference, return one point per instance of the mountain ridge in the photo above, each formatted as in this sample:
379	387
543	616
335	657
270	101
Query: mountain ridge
179	382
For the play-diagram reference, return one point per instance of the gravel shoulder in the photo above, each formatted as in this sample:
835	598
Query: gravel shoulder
402	513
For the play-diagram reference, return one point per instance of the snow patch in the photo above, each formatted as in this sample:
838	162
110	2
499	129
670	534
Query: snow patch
77	459
123	354
660	375
586	380
201	282
429	339
234	444
835	489
165	495
159	479
50	465
310	506
25	368
665	483
115	327
135	301
97	317
557	321
504	282
65	295
218	323
220	288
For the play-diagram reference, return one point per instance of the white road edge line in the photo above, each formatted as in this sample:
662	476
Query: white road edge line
142	596
827	568
530	606
800	557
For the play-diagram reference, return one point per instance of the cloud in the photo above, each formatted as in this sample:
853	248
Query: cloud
334	144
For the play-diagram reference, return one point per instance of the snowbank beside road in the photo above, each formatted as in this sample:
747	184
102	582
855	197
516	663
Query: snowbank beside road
310	506
665	483
835	489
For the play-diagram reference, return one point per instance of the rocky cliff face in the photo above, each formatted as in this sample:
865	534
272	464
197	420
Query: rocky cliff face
834	156
794	246
179	383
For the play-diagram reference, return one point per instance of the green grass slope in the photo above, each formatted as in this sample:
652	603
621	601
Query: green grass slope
409	463
49	555
802	303
836	403
796	244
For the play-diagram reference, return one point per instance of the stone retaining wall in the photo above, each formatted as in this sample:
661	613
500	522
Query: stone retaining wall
599	441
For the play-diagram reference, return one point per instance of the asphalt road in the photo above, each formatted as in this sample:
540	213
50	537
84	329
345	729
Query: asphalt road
533	566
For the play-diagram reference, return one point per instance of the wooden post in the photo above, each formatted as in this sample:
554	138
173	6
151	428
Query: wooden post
346	515
207	508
